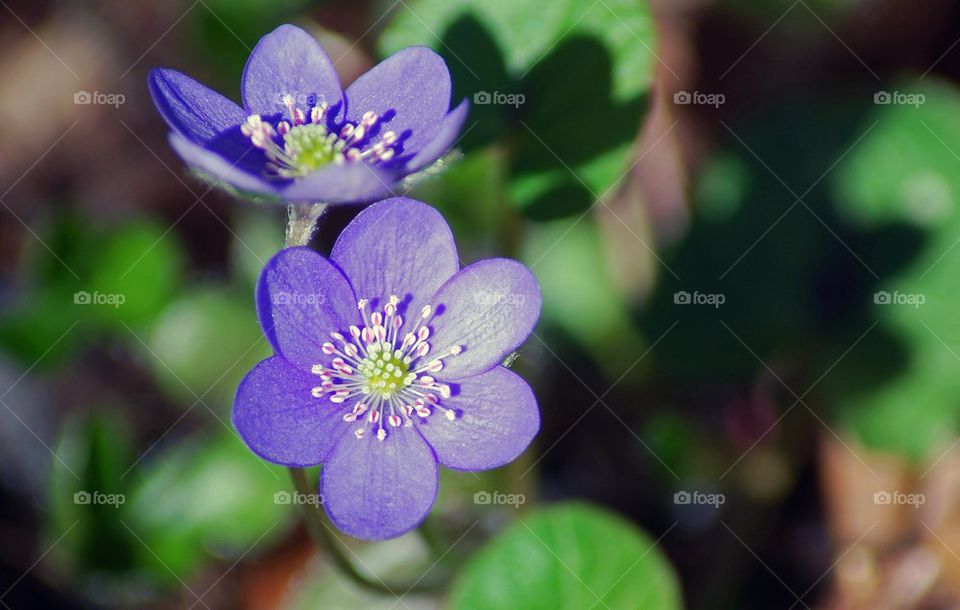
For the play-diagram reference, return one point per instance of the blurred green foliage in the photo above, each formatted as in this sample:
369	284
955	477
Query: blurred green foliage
879	185
568	556
565	149
207	496
903	180
93	455
175	505
226	31
324	586
94	280
202	345
568	259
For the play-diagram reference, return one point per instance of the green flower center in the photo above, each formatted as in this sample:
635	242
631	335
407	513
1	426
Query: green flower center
385	371
304	142
386	374
310	147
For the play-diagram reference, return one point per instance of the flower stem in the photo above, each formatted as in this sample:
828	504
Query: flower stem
302	222
322	534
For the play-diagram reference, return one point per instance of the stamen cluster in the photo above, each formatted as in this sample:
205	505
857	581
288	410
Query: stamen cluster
296	147
390	379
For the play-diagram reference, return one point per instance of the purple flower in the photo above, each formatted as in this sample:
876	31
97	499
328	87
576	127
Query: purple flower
388	362
299	136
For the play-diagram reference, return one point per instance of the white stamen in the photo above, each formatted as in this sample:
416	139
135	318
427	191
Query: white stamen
391	376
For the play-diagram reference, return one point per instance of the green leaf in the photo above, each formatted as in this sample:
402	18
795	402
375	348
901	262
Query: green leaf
124	275
43	328
568	260
94	278
568	556
203	345
525	32
137	271
901	183
905	168
92	455
567	149
402	559
213	496
915	416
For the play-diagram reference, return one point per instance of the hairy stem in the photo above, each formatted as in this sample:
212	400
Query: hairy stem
302	222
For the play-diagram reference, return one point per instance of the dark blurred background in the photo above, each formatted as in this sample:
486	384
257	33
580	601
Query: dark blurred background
744	215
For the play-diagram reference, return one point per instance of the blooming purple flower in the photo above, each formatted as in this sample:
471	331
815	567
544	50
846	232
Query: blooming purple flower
388	362
299	136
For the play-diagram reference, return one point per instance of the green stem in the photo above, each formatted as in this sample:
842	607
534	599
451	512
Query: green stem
301	224
323	535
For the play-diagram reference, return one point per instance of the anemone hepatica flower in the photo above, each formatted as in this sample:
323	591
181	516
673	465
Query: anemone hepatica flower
299	135
388	362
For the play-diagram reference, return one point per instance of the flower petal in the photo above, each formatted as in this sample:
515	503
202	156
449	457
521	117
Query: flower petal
288	61
352	182
225	159
376	489
301	299
497	417
411	89
488	309
190	108
278	418
440	138
399	247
